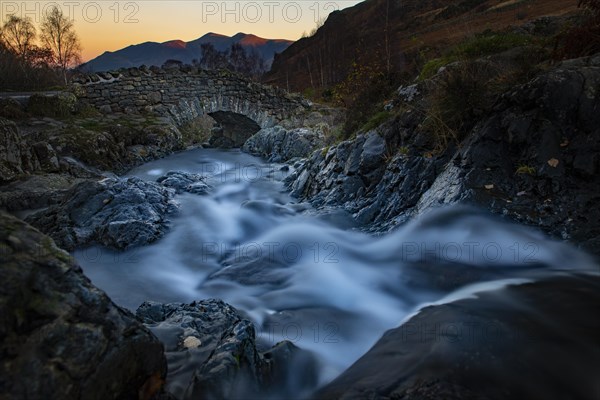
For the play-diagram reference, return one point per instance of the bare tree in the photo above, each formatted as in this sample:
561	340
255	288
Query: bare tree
388	55
312	83
60	37
211	58
238	58
18	35
257	65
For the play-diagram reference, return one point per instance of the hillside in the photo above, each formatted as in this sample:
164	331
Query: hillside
153	53
394	33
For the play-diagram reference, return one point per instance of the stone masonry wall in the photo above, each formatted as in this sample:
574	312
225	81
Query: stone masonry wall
186	92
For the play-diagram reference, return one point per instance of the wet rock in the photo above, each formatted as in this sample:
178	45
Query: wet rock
113	147
118	213
212	353
534	158
539	150
349	175
519	342
185	182
61	337
278	144
373	152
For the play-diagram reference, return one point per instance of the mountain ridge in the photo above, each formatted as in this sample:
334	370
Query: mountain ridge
156	53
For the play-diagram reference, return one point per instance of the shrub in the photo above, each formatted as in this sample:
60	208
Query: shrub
59	106
11	109
18	74
83	110
362	94
197	131
376	120
490	43
484	44
309	93
463	94
431	67
584	39
460	8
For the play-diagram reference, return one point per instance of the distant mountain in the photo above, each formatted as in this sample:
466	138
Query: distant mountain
153	53
396	32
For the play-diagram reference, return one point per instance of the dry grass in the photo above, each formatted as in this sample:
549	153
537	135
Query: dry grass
452	31
459	97
505	4
468	90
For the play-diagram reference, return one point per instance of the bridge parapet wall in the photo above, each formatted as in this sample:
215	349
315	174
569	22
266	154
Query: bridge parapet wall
186	92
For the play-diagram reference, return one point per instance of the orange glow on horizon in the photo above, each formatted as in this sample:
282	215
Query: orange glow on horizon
111	25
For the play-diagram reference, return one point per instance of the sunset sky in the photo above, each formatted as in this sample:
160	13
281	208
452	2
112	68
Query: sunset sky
110	25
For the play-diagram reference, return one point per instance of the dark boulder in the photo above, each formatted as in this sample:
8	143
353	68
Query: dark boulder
118	213
212	354
533	341
185	182
536	158
61	337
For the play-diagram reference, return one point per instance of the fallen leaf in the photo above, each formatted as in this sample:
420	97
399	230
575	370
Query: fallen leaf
489	187
565	143
553	162
191	342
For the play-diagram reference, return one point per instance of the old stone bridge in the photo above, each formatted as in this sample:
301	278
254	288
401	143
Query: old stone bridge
184	93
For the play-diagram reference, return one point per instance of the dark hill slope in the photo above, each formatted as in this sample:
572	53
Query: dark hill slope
394	31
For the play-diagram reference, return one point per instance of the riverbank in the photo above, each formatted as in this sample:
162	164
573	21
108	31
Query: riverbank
190	226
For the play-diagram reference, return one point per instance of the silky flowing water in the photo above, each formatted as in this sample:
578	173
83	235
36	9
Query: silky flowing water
312	277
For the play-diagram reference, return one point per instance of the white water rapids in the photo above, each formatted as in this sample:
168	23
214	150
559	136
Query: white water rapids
305	276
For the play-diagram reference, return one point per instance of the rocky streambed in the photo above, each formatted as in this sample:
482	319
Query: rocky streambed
325	272
301	296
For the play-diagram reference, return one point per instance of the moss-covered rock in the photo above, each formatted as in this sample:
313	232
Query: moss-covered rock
16	158
61	337
60	105
11	108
